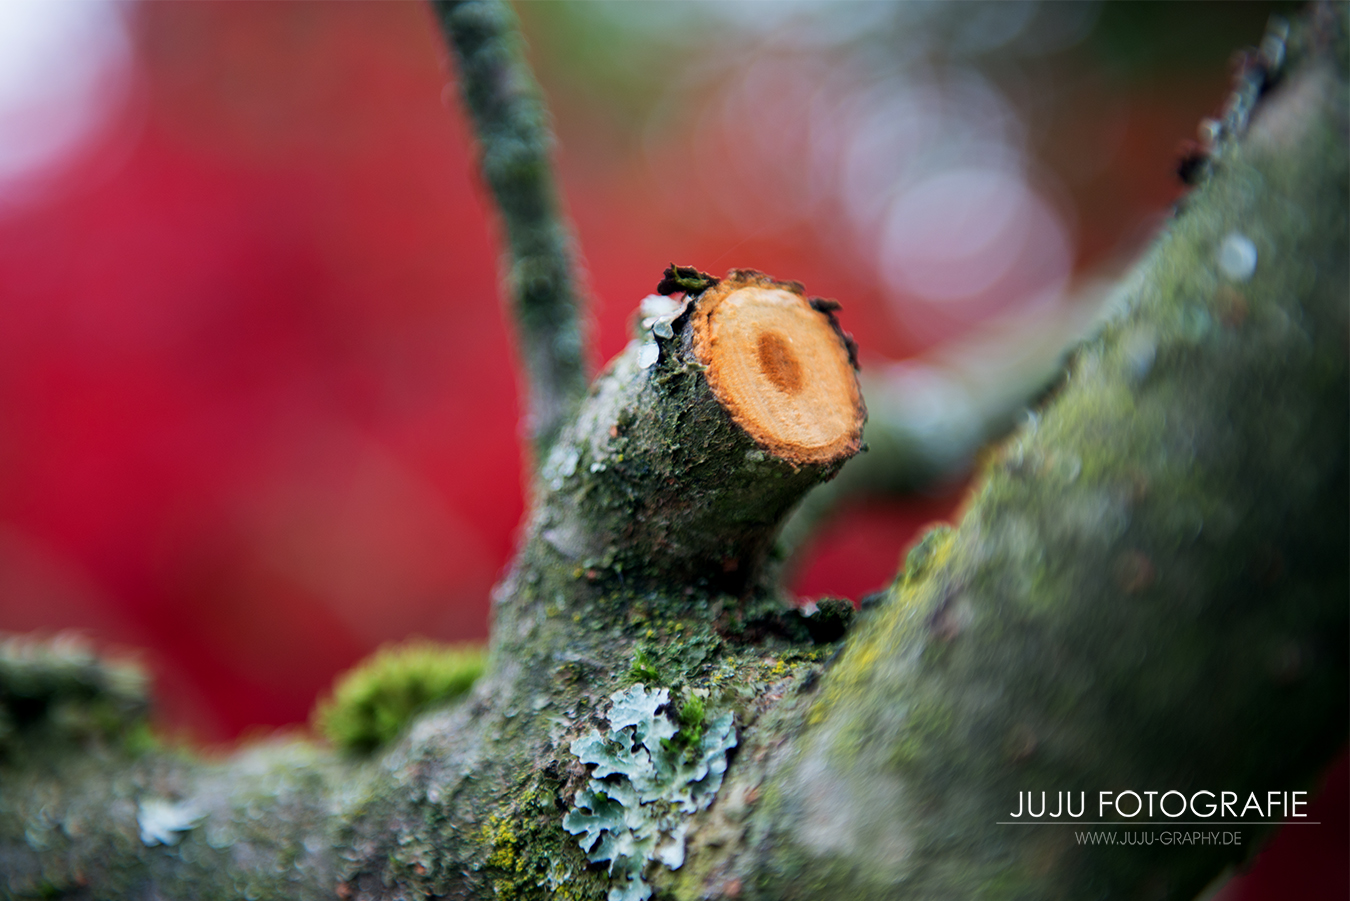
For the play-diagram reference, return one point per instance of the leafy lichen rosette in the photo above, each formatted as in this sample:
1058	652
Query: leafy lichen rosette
645	785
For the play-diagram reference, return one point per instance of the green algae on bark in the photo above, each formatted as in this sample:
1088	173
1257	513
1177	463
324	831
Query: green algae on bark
1148	588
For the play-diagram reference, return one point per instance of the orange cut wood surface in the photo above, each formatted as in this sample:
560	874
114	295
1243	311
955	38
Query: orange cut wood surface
780	368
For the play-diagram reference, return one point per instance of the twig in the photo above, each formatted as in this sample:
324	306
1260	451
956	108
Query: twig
508	114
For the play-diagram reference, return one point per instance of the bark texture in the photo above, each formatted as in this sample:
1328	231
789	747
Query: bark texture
656	484
1148	591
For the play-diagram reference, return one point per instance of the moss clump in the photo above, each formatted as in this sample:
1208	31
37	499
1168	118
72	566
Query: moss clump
644	668
684	279
693	717
372	703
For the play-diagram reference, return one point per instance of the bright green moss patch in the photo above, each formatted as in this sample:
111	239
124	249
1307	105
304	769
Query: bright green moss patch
643	668
693	718
372	703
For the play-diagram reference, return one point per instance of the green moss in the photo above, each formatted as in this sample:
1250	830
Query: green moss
372	703
643	669
513	875
693	718
684	279
672	652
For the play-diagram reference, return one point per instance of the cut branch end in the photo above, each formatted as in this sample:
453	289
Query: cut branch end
781	368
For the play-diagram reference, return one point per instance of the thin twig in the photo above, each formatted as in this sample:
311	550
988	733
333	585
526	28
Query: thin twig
508	114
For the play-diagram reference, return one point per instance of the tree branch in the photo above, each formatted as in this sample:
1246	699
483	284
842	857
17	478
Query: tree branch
1147	593
1149	590
512	127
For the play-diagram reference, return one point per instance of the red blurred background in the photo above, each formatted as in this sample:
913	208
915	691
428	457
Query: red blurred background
257	397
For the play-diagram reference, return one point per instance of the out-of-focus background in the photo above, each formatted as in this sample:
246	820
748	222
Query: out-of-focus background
257	398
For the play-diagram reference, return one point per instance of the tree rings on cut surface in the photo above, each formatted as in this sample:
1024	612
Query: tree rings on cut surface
780	367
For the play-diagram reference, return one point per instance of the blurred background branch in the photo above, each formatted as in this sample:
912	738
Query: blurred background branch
929	416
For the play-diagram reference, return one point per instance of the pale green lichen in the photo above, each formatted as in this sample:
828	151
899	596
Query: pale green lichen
645	785
372	703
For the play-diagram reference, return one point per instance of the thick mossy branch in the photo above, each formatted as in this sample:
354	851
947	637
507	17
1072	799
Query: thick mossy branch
509	118
1148	591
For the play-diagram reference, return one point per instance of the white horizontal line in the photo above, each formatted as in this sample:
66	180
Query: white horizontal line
1159	823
